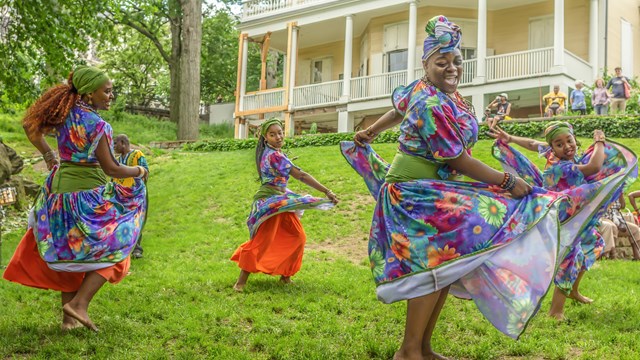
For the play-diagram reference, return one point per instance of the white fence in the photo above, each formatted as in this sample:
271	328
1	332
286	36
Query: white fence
519	64
323	94
376	86
263	100
251	8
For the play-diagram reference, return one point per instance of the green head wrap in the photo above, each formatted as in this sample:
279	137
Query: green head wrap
265	125
87	79
557	128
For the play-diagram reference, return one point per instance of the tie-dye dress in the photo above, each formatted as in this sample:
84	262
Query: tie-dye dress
277	239
428	234
589	198
80	222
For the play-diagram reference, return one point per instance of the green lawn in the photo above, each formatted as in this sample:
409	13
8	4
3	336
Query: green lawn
178	301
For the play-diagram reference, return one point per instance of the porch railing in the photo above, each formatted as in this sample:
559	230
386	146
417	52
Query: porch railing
468	71
323	94
579	68
376	86
255	8
519	64
263	100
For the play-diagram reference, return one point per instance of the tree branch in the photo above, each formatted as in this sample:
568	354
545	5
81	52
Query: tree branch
144	32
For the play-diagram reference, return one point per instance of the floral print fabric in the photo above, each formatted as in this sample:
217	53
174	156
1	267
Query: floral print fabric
427	234
274	170
100	225
588	199
434	127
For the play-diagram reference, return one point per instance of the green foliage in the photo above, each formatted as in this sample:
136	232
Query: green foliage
313	129
619	127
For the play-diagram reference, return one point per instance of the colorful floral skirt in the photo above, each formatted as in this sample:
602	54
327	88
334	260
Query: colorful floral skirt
588	198
91	227
429	234
275	249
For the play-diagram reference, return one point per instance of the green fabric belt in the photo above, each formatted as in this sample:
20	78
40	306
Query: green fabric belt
406	168
266	191
71	178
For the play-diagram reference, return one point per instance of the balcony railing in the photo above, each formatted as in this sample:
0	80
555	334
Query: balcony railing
256	8
468	72
323	94
263	100
579	68
520	64
376	86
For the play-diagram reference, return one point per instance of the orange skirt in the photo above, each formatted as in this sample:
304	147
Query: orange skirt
276	248
27	268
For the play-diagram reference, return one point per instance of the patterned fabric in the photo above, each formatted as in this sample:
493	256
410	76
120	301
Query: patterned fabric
428	234
435	126
274	170
589	197
132	158
78	137
100	225
442	35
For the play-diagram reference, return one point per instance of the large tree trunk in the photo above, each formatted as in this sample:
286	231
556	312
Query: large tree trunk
174	63
190	69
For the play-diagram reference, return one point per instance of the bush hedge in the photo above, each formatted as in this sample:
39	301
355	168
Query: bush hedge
614	127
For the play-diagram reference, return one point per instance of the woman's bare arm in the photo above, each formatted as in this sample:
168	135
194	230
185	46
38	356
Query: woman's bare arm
110	166
311	181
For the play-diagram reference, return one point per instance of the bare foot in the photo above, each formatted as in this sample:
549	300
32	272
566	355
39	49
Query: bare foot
401	355
286	280
432	355
238	287
80	315
579	297
70	324
557	315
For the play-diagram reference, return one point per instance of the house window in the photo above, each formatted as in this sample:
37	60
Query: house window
397	60
468	53
541	32
626	47
321	70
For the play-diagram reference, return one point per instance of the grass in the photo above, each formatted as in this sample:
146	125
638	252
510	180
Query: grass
178	301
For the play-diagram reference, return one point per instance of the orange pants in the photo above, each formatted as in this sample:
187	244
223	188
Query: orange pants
276	248
27	268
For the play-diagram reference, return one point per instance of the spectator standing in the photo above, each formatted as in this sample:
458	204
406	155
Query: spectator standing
555	102
620	91
600	98
577	99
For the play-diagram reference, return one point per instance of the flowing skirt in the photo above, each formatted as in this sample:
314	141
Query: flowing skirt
429	234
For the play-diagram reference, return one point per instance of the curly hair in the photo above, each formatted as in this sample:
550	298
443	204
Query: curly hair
51	109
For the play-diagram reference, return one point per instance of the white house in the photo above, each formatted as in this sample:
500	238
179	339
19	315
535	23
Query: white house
345	57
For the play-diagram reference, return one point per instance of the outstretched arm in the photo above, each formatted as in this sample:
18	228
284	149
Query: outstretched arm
529	144
390	119
632	199
111	167
597	159
311	181
478	170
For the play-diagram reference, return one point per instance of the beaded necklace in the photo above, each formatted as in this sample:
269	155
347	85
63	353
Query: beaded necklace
461	102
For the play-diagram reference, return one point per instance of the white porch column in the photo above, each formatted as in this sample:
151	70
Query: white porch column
345	120
411	42
481	50
348	59
593	37
293	65
558	36
243	74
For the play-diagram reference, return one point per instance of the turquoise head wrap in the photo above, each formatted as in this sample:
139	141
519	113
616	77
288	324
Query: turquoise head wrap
442	35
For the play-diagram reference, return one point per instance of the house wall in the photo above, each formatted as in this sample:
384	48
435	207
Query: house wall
627	10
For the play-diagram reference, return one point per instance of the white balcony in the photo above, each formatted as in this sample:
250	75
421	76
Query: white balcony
376	86
323	94
261	8
518	65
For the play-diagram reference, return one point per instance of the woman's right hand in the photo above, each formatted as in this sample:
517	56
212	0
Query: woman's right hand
363	137
598	135
51	163
521	189
499	134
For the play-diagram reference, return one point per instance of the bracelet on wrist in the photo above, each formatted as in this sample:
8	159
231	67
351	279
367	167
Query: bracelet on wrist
509	181
370	132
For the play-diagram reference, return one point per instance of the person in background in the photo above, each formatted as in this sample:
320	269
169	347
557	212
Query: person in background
131	157
577	99
555	102
620	90
600	98
624	226
503	109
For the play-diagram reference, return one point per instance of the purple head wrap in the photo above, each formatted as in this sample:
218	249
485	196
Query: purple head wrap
442	35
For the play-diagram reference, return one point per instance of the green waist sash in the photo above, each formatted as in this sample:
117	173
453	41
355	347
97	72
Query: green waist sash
71	178
406	168
266	191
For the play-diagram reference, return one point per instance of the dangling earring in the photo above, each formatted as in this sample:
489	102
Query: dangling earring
90	101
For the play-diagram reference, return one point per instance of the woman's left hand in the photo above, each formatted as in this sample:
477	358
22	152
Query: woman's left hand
363	137
598	135
521	189
51	163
